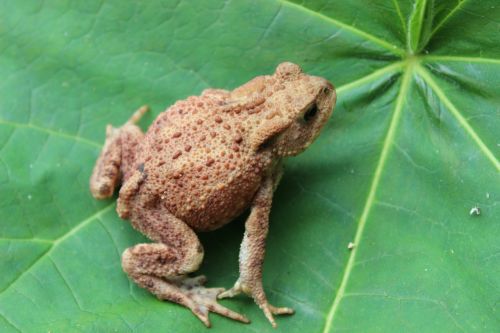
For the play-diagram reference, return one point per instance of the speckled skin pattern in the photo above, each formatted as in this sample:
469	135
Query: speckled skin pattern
203	162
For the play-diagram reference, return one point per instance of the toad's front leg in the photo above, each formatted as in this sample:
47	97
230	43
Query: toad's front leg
253	249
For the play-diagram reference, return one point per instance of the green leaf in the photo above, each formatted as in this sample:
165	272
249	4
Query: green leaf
419	26
411	148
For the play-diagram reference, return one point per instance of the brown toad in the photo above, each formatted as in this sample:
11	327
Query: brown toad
201	164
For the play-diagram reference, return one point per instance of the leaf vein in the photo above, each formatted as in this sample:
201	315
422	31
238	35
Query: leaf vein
59	240
398	10
375	40
462	59
447	17
26	270
50	132
9	322
456	113
72	292
371	77
371	196
266	32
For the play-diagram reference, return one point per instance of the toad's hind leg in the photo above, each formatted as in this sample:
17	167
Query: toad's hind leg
162	267
117	156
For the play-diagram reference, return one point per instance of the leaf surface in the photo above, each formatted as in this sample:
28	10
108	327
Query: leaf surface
411	148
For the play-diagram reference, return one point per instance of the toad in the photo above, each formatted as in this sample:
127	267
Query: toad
203	162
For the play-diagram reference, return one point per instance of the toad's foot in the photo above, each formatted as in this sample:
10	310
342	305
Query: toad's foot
258	295
116	161
138	115
191	293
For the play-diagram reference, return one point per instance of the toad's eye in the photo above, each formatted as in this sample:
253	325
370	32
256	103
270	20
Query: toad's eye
311	113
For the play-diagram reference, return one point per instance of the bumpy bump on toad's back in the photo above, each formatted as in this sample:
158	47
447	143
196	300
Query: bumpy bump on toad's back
201	164
198	163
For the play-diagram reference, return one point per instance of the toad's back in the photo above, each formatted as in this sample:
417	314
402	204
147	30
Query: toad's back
198	163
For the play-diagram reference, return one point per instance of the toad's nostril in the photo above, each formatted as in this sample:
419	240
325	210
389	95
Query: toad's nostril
327	88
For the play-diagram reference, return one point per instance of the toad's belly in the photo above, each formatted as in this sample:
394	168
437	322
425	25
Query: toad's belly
210	205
